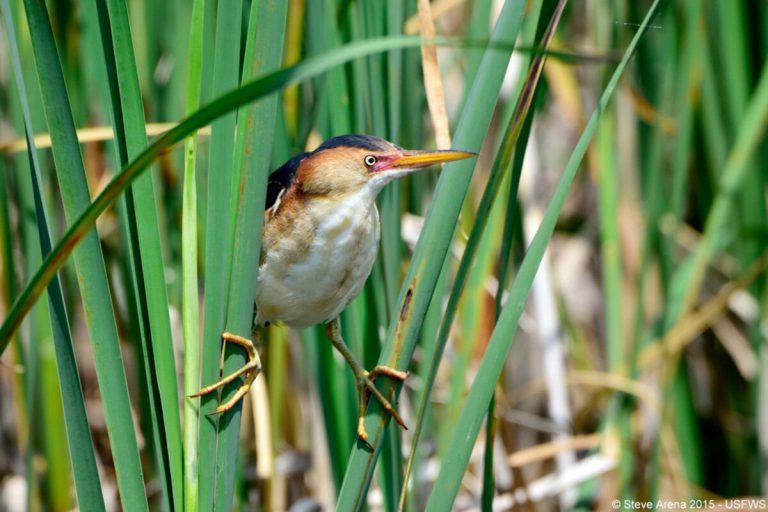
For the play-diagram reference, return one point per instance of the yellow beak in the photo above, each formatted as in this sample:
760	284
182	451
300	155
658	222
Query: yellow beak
416	159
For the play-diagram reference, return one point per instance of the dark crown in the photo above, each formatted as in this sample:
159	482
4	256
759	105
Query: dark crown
368	142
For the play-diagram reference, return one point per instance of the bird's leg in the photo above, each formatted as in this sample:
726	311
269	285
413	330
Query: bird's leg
365	385
251	368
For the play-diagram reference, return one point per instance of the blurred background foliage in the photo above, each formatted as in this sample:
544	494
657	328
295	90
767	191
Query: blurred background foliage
636	371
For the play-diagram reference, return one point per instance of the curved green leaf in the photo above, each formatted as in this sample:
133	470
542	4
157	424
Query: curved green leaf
251	91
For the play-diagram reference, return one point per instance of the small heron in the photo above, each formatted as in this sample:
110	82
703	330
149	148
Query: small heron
319	242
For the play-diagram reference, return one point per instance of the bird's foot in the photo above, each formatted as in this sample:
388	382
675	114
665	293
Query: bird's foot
366	388
365	385
250	369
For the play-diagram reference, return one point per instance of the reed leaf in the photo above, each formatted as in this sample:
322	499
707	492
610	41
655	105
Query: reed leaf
189	274
470	422
218	240
253	151
436	234
145	246
80	444
89	261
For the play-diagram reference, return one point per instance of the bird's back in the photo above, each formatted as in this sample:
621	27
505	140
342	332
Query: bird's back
281	179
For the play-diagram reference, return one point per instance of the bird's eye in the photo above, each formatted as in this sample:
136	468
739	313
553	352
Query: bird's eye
370	160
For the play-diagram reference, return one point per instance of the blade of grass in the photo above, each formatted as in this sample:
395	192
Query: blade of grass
616	422
218	241
372	19
173	32
127	285
278	374
716	146
391	245
435	239
80	445
383	291
24	355
295	38
36	330
89	261
511	145
608	196
455	463
660	74
512	230
688	90
687	76
425	421
253	151
412	101
478	28
509	255
23	358
9	285
59	474
750	205
131	138
190	311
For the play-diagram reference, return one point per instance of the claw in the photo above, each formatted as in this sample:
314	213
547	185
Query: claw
369	388
250	369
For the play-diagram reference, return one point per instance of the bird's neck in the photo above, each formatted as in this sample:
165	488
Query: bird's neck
356	204
364	195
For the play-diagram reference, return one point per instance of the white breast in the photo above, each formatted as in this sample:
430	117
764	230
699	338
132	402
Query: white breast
317	285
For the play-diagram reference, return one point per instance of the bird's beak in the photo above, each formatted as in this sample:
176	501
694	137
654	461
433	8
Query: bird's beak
419	159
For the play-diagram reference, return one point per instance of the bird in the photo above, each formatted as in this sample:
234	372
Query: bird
320	238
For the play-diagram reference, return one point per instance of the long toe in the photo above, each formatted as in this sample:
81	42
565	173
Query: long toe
240	393
387	371
248	370
368	384
361	433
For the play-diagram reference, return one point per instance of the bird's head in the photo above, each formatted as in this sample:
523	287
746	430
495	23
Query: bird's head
349	163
